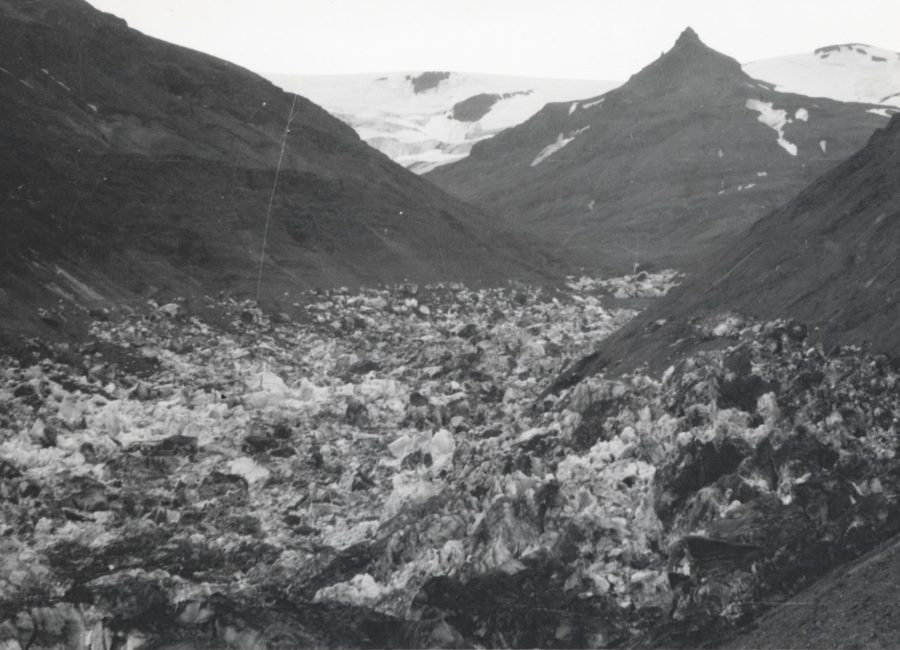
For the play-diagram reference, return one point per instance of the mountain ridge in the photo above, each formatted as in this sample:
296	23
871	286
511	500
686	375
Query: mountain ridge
133	167
825	258
687	60
663	170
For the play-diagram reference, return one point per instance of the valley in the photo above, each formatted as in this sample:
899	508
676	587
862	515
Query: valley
437	359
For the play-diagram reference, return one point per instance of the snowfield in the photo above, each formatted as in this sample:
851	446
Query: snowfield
421	130
849	73
425	120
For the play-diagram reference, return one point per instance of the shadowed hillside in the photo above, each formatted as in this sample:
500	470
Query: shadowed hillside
140	167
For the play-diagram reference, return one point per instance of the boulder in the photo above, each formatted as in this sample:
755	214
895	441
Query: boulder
696	465
356	414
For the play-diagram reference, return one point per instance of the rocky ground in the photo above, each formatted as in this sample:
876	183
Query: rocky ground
384	469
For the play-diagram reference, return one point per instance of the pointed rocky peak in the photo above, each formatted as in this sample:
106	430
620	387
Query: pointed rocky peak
689	62
689	43
688	37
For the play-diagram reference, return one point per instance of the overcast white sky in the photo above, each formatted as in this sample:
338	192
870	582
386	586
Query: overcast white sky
592	39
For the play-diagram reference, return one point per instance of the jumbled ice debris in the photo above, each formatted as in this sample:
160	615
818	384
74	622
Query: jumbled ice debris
383	452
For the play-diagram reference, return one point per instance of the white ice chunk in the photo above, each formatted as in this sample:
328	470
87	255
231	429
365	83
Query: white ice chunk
267	381
361	590
252	471
442	447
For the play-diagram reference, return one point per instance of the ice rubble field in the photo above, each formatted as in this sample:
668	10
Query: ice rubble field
389	448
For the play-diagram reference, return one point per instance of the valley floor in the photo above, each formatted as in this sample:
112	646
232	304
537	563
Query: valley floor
384	469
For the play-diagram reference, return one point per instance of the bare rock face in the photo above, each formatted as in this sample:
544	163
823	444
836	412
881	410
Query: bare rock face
427	81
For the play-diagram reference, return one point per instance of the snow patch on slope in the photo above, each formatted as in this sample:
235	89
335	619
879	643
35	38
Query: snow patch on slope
551	149
775	119
58	82
561	141
883	112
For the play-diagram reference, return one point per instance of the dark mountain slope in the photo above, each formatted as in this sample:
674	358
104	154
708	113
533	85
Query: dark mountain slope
138	166
666	169
849	608
828	258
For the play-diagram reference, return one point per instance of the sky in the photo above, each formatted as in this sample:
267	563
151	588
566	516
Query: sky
585	39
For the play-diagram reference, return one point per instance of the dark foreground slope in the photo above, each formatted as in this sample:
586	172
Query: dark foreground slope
827	258
666	169
851	607
136	166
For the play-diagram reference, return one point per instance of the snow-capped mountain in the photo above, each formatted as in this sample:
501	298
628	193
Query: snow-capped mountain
426	119
852	72
423	120
666	169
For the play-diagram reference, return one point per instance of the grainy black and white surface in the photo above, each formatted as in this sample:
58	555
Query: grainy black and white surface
412	422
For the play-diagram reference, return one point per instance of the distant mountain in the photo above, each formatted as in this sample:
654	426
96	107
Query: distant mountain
664	170
130	166
426	119
849	73
827	258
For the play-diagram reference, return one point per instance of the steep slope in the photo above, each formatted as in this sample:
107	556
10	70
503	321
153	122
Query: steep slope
827	258
426	119
848	608
130	165
671	166
853	72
